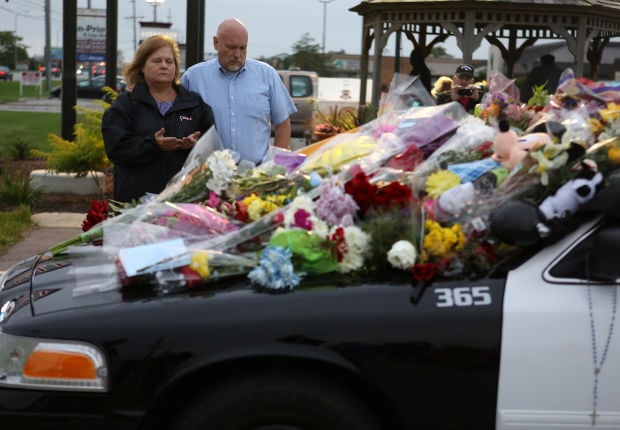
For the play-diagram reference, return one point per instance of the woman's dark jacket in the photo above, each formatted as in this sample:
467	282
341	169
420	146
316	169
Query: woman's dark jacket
129	126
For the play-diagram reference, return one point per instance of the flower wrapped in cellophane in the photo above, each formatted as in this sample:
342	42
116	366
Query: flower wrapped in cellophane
502	101
207	168
414	193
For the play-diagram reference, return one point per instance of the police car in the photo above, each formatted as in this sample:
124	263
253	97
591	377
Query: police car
533	345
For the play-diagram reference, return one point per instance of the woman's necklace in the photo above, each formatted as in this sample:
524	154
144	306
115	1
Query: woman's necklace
598	364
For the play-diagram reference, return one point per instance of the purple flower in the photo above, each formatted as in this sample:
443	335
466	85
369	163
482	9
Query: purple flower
335	207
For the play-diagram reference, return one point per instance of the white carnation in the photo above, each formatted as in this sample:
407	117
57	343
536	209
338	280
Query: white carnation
222	167
357	245
402	255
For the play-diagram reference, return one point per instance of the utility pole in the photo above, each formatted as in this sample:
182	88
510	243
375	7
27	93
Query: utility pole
133	21
48	43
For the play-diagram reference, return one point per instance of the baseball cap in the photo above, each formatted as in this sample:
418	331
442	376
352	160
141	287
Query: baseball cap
464	69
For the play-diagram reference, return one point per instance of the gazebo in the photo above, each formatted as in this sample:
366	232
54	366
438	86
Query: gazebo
511	25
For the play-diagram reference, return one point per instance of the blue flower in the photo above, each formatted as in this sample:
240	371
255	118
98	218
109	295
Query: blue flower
276	270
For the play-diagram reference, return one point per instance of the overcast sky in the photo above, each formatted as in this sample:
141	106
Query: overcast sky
274	25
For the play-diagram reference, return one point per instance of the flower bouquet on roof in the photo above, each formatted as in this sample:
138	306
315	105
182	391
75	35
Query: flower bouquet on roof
207	168
173	264
503	102
425	129
156	222
405	92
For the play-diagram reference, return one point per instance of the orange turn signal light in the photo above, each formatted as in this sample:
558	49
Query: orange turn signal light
59	365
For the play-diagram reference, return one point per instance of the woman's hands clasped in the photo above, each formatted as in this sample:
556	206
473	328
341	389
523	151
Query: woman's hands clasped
174	143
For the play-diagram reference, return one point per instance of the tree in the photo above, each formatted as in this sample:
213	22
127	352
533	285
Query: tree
8	42
440	52
307	56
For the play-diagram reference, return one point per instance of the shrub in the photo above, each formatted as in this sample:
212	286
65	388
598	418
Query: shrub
20	149
17	191
85	154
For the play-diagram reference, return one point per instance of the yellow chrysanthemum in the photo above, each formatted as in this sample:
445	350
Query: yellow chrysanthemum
255	209
612	112
199	263
440	242
258	207
440	182
459	236
613	153
595	126
279	200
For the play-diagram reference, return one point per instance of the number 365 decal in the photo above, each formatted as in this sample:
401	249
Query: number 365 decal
463	296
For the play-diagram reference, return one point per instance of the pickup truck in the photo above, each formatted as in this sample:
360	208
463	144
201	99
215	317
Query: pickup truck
303	86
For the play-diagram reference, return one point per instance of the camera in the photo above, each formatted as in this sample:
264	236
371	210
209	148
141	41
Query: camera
465	92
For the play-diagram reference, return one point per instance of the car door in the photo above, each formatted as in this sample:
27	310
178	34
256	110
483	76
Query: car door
560	357
303	88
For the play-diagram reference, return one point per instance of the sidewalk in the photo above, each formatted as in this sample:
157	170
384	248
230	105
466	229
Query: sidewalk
44	104
52	228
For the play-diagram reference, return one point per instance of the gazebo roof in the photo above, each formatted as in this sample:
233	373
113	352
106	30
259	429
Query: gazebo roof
544	3
585	25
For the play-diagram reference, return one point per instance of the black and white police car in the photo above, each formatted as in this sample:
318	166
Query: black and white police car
534	345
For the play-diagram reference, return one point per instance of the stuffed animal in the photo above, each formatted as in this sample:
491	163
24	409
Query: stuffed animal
452	202
509	148
567	199
523	223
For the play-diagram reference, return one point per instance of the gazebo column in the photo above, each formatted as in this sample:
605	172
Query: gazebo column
578	46
467	40
366	42
376	69
511	54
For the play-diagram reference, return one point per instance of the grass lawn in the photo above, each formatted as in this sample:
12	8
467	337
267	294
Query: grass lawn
25	128
13	224
29	128
9	91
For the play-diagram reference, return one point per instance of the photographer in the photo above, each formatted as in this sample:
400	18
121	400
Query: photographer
463	89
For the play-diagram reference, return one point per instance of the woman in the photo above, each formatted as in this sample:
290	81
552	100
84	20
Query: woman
149	131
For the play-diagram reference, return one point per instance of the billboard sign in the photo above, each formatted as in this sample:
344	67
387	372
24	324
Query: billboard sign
91	34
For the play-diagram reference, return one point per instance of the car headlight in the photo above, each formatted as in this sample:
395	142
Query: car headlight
44	364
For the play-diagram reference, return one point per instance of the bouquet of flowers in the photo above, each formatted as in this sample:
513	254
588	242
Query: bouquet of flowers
412	191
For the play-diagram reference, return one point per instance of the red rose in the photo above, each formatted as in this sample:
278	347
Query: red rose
241	212
341	243
97	212
361	190
424	271
394	194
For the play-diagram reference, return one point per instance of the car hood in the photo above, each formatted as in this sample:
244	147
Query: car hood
47	284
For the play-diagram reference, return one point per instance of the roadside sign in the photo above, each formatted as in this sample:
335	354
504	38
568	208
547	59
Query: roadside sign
30	78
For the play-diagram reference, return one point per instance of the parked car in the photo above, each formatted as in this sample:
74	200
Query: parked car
91	89
523	347
56	71
5	74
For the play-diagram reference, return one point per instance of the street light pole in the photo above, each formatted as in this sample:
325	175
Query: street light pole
17	14
324	19
155	3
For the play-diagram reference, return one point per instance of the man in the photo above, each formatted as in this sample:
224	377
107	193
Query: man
246	95
463	89
547	73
